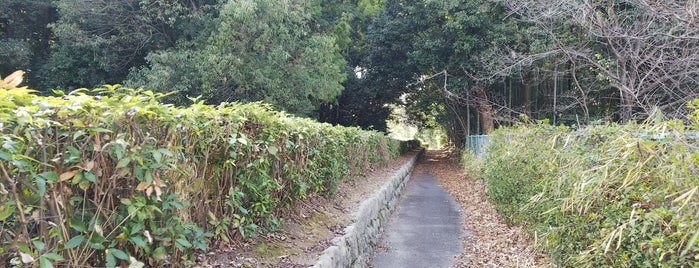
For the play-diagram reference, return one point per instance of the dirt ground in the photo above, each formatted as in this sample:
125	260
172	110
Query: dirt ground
307	231
488	242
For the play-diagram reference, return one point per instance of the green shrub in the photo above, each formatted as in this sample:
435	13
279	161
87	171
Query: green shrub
473	164
111	176
602	196
517	169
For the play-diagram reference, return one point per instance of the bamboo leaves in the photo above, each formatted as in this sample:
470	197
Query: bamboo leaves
619	195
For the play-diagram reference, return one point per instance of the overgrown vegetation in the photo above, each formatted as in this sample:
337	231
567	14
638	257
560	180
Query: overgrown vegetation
111	176
470	66
601	196
298	55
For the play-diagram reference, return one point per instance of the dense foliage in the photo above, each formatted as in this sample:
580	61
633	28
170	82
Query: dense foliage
467	66
111	176
257	50
601	196
471	66
25	40
297	55
454	64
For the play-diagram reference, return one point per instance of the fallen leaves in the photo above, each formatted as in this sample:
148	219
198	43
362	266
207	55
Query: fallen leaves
488	242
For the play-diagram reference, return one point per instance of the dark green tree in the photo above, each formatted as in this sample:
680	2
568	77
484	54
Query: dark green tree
101	41
348	21
449	53
178	68
25	39
259	50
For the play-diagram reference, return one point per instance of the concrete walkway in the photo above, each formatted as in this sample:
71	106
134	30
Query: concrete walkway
425	230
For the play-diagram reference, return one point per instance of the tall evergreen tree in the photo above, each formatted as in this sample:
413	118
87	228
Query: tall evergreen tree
259	50
101	41
348	21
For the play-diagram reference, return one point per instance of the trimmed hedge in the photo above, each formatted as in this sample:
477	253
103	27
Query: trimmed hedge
601	196
111	176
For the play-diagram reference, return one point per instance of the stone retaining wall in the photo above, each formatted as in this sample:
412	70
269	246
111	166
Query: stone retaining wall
353	248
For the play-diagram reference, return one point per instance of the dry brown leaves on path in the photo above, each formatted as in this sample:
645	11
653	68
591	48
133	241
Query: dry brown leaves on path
488	241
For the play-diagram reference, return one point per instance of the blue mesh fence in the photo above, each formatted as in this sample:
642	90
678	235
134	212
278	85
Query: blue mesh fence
477	144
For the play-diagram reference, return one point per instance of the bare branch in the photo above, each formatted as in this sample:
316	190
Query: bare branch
647	49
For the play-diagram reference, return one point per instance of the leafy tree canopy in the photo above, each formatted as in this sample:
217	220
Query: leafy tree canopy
257	50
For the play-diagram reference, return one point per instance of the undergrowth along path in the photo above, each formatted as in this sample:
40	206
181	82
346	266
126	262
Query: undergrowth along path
309	228
487	240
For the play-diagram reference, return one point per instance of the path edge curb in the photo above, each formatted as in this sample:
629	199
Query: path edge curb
354	247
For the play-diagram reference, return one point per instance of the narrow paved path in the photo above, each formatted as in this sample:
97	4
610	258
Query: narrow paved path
425	231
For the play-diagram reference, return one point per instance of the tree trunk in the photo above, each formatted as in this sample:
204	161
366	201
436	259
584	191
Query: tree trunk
527	88
626	104
487	114
555	91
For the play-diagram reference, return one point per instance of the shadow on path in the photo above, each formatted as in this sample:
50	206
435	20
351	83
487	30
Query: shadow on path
425	230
